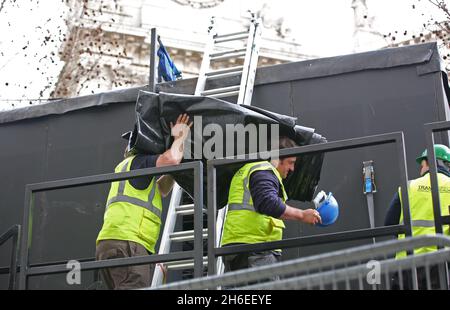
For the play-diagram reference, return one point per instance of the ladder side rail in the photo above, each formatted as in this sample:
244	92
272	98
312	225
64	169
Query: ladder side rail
250	64
169	227
219	227
204	68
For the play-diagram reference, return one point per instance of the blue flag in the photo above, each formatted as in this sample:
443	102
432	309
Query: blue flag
166	68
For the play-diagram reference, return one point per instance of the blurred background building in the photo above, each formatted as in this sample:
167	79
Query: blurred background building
81	47
108	45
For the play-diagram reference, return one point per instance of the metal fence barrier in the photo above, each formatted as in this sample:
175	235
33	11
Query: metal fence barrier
14	234
26	270
390	138
364	267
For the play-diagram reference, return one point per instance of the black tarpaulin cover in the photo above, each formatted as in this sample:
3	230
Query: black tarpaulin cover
152	135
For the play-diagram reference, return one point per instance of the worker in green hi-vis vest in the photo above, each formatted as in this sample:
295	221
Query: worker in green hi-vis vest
132	218
421	209
257	207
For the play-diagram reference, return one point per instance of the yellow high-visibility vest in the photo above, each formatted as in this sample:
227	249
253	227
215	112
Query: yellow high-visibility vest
421	207
243	224
132	214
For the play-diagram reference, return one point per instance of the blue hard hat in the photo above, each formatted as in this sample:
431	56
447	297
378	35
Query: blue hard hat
328	210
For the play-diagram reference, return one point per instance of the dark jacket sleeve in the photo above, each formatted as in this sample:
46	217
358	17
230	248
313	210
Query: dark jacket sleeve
394	211
142	162
265	191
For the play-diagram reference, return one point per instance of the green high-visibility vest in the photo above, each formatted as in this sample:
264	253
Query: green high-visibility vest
132	214
421	207
243	224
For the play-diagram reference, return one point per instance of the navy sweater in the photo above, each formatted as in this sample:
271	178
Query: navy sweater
266	193
142	162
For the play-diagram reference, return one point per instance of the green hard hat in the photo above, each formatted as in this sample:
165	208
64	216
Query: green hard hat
442	152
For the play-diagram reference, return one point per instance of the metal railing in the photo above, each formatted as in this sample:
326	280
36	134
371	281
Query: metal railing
390	138
439	220
363	267
430	129
14	234
26	270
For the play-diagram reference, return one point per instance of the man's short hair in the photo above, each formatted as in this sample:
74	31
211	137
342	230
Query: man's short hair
286	143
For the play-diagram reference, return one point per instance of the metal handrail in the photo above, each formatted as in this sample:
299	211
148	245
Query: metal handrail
27	270
390	138
14	234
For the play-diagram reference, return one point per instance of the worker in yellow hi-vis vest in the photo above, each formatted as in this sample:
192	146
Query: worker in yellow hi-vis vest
257	207
132	218
421	208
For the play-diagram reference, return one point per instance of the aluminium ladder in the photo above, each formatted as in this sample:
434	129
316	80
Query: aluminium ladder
244	91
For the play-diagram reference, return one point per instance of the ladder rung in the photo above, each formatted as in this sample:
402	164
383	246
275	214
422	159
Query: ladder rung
184	264
221	36
230	55
226	70
240	50
186	210
225	95
224	75
231	38
221	90
186	235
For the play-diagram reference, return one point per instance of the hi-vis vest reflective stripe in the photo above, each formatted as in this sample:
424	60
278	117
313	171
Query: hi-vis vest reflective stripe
243	224
132	214
421	205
